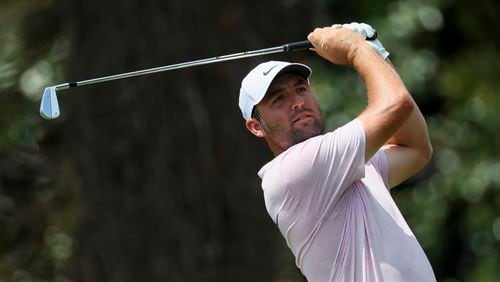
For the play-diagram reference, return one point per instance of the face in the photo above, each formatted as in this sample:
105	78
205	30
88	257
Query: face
289	113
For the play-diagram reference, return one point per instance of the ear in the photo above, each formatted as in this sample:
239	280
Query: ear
254	126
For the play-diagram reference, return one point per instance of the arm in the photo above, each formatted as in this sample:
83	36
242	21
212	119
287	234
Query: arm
389	103
391	117
409	150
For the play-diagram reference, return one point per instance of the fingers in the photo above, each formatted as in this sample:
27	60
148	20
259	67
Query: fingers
339	43
318	38
336	43
369	31
323	41
326	38
365	30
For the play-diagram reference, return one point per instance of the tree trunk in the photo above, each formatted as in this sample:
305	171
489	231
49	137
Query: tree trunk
163	163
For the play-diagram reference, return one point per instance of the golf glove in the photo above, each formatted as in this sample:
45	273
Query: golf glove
366	31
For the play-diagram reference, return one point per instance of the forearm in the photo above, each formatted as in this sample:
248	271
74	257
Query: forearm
413	134
383	84
391	117
389	103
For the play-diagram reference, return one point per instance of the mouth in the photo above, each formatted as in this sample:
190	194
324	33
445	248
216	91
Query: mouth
301	116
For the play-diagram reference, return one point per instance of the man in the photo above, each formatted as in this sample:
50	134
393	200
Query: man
328	193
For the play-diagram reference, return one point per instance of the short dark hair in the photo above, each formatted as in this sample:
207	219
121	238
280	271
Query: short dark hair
255	113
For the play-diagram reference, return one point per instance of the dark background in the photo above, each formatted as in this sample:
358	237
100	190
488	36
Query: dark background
154	178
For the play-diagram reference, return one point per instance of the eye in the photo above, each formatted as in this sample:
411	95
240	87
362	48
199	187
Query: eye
301	89
278	98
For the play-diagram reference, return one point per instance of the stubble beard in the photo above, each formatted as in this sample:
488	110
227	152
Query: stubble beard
287	138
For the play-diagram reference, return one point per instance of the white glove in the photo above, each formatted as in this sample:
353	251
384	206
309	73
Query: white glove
366	31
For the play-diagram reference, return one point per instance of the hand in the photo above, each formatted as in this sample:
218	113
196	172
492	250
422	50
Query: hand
366	31
338	45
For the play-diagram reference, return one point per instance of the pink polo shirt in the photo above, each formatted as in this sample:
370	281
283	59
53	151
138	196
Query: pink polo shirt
336	213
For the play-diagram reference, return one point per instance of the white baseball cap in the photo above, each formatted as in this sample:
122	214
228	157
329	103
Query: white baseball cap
254	86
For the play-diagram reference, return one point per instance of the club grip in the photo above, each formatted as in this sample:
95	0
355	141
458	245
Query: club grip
304	45
296	46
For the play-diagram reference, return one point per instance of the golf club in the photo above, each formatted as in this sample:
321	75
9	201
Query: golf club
49	106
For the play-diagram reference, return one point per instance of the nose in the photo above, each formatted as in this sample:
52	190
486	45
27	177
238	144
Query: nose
298	102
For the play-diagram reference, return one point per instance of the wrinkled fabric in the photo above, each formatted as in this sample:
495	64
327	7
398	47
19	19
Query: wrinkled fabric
336	213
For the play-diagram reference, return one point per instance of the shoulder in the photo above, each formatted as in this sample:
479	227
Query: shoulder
317	155
380	164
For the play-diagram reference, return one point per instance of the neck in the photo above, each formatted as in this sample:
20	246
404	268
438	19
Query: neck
275	148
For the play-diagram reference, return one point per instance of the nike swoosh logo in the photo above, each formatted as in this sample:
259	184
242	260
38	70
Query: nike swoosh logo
268	71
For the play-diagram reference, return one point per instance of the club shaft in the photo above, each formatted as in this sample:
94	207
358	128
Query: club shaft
283	48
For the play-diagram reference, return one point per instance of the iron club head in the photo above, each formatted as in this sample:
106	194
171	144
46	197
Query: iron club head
49	107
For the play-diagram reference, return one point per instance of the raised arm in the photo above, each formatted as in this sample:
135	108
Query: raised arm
389	103
391	117
409	149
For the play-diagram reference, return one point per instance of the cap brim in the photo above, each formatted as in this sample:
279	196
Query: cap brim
300	69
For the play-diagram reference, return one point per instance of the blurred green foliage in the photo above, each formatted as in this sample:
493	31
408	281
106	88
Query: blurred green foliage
446	51
447	54
34	215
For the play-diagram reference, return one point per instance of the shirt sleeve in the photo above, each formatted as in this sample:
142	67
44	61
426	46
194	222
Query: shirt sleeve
318	171
381	165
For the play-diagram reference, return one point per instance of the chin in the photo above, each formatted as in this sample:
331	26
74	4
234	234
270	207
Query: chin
300	135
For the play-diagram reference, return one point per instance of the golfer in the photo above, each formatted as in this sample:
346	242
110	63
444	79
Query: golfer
328	193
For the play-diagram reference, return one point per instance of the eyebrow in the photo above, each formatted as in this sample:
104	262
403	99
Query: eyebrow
275	91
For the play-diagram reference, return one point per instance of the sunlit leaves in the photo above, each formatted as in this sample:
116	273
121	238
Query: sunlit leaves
35	79
455	203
